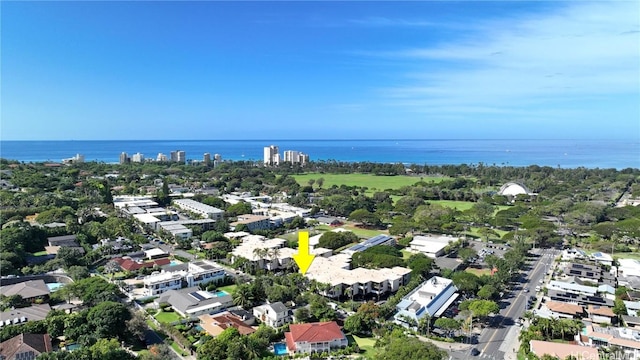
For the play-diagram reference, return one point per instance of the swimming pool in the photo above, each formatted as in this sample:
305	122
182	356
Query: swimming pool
221	293
54	286
175	262
71	347
280	349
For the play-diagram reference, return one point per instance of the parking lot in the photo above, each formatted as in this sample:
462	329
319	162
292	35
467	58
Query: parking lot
484	249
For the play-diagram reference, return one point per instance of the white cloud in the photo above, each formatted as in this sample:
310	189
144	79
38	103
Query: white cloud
582	52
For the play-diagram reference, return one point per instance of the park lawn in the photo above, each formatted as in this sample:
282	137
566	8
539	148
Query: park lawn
370	181
474	232
229	289
167	317
458	205
366	344
478	272
365	233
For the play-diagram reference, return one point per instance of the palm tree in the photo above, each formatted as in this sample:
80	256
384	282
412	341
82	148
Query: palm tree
244	296
274	254
425	323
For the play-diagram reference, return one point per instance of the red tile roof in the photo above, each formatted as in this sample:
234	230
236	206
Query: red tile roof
130	265
312	333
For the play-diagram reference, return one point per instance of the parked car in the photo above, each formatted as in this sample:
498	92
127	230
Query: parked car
475	352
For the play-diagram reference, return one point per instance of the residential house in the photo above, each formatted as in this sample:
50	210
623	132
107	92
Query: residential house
25	347
601	314
274	315
564	296
314	337
631	321
626	340
558	309
23	315
192	302
128	264
563	351
30	290
214	325
67	241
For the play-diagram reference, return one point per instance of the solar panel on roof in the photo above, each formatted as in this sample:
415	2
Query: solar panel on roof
197	296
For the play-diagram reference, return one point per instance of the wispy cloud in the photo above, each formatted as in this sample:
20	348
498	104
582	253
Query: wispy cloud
580	52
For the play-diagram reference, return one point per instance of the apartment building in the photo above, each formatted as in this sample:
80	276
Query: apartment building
205	210
271	155
433	297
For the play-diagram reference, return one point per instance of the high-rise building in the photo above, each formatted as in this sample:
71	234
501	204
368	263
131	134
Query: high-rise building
161	157
291	156
124	158
206	158
303	158
271	155
295	157
217	159
178	156
137	158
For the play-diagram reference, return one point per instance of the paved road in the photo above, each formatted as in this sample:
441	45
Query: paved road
496	339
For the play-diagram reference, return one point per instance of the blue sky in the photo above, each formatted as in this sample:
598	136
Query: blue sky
320	70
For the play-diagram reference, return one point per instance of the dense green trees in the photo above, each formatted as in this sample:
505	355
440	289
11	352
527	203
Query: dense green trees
334	240
380	256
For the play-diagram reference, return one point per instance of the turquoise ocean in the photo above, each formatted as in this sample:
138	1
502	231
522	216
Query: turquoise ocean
617	154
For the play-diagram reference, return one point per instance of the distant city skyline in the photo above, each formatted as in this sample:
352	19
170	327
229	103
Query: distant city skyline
320	70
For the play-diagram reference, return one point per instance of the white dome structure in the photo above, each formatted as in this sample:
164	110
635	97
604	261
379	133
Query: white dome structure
513	189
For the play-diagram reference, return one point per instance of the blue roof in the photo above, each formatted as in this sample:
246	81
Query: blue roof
376	240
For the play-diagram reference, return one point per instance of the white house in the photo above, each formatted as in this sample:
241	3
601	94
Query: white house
274	315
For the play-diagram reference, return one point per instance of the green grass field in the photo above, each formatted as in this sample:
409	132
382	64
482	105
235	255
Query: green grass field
372	182
229	289
478	272
40	253
458	205
366	344
167	317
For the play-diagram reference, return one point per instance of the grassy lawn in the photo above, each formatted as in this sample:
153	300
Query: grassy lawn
474	232
229	289
406	254
40	253
167	317
478	272
366	233
372	182
626	255
177	348
366	344
458	205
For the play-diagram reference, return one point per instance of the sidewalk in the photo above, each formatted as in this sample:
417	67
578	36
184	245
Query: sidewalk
446	345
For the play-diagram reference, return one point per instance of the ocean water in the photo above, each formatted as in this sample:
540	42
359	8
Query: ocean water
563	153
